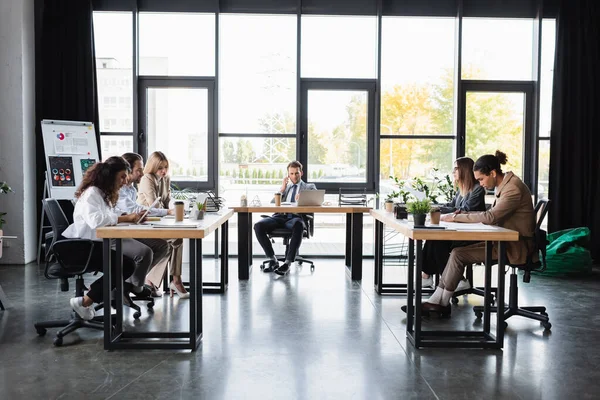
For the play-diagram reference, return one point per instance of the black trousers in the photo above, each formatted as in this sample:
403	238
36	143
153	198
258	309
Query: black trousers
436	254
96	292
267	225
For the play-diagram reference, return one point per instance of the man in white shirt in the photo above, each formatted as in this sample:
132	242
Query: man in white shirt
127	205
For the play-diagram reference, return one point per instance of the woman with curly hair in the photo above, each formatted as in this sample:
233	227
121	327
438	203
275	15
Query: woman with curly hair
96	199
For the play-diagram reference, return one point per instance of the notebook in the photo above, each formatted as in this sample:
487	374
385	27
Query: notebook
311	197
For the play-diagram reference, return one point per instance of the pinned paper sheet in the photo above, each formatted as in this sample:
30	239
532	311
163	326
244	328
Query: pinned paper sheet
70	143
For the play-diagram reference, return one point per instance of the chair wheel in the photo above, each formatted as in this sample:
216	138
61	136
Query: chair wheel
505	325
300	263
137	315
41	331
312	267
547	326
58	341
150	305
478	314
454	300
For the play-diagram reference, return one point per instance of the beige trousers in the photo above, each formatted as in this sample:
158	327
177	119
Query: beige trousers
175	260
459	258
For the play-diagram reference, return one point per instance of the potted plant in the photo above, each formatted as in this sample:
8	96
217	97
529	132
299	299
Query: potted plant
200	210
389	202
403	196
434	215
419	210
4	188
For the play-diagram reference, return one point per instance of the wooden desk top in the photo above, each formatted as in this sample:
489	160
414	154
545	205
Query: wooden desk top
211	222
454	231
294	209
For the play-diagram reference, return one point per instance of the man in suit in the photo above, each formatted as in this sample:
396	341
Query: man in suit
512	209
291	186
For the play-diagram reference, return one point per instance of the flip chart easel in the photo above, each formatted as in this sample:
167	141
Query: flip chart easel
70	148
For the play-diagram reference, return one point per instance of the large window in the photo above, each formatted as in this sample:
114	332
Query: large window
417	100
497	49
177	44
257	102
113	37
257	74
339	47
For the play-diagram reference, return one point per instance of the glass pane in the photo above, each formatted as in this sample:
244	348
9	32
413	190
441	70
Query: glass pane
178	126
547	75
406	159
496	48
339	47
177	44
113	41
254	167
543	169
495	121
417	96
115	145
337	135
257	74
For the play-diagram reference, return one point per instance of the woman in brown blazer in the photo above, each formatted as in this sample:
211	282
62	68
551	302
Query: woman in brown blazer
512	209
156	184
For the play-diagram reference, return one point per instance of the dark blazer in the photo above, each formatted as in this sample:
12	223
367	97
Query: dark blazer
472	201
512	209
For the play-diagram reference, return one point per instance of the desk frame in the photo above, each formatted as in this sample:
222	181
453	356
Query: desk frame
114	336
451	339
354	234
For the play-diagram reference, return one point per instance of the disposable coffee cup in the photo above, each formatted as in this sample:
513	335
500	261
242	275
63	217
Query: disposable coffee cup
277	199
435	217
179	211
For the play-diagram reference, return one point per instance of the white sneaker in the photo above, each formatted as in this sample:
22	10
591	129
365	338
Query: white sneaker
86	313
463	284
427	282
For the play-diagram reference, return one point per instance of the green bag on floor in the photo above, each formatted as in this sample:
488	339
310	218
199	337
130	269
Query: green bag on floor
567	252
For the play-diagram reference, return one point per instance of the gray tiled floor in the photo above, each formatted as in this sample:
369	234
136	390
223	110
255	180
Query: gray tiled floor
304	336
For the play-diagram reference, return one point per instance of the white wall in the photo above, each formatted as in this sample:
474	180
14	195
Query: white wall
17	128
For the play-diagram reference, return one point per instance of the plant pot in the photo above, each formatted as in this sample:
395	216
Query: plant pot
400	211
419	219
389	206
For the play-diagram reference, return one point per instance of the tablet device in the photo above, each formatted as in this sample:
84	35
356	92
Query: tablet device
155	203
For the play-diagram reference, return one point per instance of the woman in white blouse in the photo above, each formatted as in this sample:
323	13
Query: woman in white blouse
97	195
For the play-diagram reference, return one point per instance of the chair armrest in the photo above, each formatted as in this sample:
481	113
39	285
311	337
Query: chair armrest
74	255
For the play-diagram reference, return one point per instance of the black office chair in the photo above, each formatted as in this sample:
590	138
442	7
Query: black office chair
286	234
66	258
539	242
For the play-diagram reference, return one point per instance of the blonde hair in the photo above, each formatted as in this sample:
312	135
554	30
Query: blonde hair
466	179
154	162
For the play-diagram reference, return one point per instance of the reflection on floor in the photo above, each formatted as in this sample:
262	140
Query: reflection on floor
303	336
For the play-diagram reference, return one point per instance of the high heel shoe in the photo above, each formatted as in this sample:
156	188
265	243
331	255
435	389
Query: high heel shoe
182	295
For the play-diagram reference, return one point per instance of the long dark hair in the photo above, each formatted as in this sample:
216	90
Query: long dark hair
466	179
488	163
103	176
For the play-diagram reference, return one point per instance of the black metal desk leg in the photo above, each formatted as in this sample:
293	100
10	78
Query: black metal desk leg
487	287
357	246
106	264
195	293
378	256
224	256
348	254
410	286
244	245
119	285
500	295
417	280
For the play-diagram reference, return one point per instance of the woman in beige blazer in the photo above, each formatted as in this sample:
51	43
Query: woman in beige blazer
156	183
512	209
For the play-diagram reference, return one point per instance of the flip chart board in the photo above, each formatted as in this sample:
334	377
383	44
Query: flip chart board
70	148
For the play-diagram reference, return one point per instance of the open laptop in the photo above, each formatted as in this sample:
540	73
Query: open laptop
311	197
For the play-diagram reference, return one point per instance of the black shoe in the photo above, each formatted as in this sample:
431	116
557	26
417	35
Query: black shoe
283	269
424	313
272	266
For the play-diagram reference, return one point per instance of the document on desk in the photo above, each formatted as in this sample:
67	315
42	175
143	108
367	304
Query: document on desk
458	226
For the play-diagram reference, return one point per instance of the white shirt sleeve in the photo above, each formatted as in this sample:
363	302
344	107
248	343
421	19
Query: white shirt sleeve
96	213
